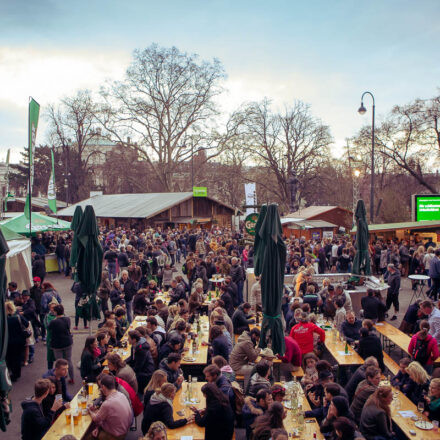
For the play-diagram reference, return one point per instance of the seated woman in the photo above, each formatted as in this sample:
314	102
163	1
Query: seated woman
310	378
271	419
401	380
339	407
376	415
158	378
103	336
218	417
90	365
432	405
418	383
157	431
424	348
110	326
160	408
219	342
345	429
225	368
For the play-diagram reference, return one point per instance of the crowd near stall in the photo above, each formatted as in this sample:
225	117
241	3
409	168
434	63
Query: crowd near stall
182	350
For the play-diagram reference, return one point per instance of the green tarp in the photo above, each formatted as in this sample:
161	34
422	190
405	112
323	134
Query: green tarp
270	252
40	223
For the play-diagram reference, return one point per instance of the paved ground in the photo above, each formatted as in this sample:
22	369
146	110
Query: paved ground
24	387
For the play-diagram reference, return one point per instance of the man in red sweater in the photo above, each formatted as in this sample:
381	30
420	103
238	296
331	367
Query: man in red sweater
303	333
291	359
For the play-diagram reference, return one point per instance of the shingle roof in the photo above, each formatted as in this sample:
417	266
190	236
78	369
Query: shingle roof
129	205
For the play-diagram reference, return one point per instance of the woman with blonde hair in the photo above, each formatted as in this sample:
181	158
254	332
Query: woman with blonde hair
432	404
418	383
157	431
173	311
158	378
376	415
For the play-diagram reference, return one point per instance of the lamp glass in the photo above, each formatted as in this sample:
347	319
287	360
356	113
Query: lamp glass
362	110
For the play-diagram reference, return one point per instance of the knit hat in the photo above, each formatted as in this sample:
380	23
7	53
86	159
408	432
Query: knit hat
267	353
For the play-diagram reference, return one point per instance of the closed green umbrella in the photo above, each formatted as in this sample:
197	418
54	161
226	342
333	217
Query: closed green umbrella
5	382
89	264
74	225
271	266
258	247
361	262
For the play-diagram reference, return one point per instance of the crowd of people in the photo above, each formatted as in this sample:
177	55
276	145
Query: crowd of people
139	265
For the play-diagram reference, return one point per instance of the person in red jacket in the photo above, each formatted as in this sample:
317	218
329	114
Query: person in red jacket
424	348
303	333
291	359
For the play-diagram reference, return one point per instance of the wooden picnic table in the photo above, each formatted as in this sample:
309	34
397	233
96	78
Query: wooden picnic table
337	349
392	333
61	428
201	356
181	410
406	423
309	427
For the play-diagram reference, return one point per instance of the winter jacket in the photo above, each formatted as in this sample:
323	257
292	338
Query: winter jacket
160	409
141	361
36	295
136	404
229	306
414	391
115	298
237	273
243	352
241	321
220	346
218	422
60	329
47	298
432	349
129	289
357	377
257	383
251	410
393	280
363	391
90	367
370	305
375	422
34	424
128	375
351	331
401	381
15	333
303	334
292	354
171	374
371	346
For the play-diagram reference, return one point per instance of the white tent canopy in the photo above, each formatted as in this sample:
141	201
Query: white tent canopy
19	263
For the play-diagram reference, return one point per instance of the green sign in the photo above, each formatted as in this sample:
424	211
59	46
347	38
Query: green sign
200	191
427	208
250	222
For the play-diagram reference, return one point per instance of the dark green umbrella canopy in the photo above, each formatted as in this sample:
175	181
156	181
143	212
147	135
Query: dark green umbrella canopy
76	221
361	262
271	265
5	382
258	247
89	264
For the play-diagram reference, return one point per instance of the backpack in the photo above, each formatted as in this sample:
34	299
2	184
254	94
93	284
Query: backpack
238	397
420	351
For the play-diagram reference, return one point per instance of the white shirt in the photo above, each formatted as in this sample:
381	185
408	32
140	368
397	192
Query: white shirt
335	251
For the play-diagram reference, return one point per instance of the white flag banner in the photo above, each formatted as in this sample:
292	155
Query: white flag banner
250	191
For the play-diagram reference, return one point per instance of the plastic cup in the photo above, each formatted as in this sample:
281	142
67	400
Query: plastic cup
90	388
68	414
75	415
435	425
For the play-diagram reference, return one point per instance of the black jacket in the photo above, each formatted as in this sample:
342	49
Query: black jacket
29	310
162	412
370	305
177	294
129	289
414	391
141	360
220	347
371	346
34	424
90	367
357	377
240	321
229	307
351	331
171	374
14	330
39	268
36	294
61	336
393	280
218	422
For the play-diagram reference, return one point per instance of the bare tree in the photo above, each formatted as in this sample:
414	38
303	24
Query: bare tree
166	104
290	143
72	133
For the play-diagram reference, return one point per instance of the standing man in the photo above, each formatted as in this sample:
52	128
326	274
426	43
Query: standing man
111	256
434	273
392	277
129	290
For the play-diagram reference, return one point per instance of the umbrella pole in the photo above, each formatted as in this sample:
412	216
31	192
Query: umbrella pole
90	323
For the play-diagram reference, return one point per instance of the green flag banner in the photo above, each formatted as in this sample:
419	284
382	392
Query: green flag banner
34	113
51	194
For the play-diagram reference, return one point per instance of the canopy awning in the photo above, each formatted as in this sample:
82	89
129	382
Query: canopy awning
40	223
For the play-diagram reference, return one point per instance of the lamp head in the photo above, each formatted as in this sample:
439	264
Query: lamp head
362	110
357	173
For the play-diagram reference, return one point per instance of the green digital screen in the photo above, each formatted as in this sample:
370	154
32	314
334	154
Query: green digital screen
427	208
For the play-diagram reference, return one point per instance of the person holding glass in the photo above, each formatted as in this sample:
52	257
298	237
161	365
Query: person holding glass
432	402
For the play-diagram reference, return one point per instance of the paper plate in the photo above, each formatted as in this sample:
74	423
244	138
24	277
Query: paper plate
188	359
422	424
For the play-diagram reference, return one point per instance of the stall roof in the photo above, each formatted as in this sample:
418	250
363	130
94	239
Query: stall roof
402	225
313	211
308	224
132	205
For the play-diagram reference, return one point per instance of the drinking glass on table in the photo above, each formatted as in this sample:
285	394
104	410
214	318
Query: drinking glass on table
421	406
68	414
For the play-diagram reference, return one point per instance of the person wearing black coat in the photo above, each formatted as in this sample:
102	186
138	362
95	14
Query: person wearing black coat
171	366
39	267
140	359
34	423
226	298
16	340
370	345
218	418
129	289
370	305
219	342
140	303
174	345
351	327
160	408
90	365
242	318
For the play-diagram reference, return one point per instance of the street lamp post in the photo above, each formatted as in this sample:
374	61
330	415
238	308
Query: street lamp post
362	110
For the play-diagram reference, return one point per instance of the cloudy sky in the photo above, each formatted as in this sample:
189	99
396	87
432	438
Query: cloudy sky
325	53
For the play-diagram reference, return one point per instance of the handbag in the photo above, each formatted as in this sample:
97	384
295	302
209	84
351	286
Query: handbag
26	332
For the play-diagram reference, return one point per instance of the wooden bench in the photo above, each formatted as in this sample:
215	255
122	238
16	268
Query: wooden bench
390	364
